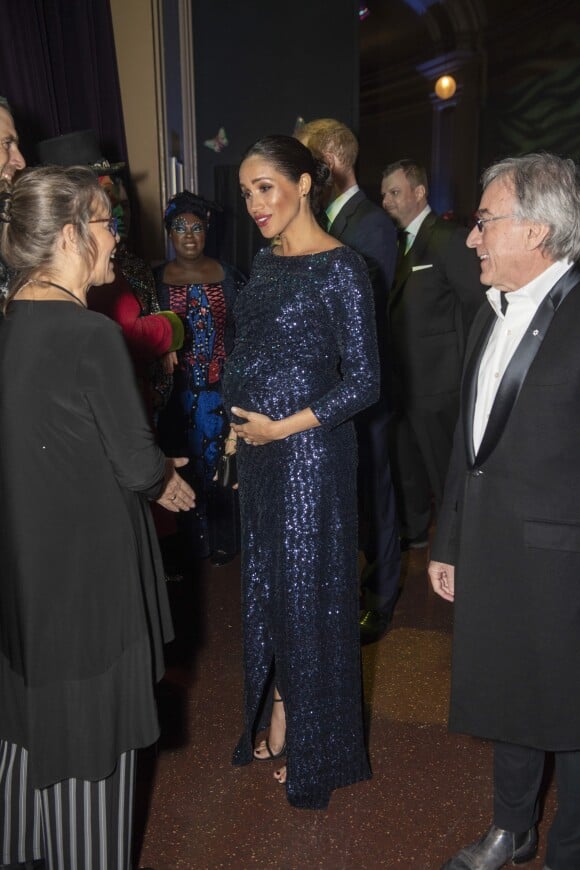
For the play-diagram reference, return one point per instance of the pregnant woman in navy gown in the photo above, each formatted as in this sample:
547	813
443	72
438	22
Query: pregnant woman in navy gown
305	361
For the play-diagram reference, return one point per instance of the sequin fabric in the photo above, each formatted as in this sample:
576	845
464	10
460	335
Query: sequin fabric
305	337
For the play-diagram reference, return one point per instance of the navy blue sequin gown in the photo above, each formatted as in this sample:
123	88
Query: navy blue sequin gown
305	337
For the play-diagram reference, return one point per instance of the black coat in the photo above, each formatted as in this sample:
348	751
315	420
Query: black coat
510	523
83	604
367	229
434	298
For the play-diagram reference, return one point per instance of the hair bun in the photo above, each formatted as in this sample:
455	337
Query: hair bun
5	207
322	172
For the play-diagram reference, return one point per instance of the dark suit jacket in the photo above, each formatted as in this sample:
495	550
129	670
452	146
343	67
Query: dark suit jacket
433	301
369	231
510	523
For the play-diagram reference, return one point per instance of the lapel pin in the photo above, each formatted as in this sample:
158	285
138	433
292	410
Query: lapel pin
536	332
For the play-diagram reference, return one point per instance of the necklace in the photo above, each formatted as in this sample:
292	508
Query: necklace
64	290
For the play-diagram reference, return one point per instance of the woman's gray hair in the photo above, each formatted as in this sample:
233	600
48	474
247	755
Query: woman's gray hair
547	190
39	204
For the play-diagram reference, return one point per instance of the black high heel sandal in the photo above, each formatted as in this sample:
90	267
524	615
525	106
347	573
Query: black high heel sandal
272	756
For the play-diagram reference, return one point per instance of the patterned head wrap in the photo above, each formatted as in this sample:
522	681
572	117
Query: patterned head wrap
189	203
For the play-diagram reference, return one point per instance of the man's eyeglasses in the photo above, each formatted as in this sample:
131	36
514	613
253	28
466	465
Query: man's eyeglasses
481	222
180	226
112	224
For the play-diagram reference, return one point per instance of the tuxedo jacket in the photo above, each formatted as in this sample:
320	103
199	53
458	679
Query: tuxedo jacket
368	230
433	301
510	523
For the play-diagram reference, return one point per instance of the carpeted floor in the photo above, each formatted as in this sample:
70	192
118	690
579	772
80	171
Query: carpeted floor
430	793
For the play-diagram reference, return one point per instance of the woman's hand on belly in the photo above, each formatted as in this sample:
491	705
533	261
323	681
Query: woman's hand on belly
259	429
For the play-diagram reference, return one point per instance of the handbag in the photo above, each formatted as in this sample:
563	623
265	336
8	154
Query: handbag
224	512
227	470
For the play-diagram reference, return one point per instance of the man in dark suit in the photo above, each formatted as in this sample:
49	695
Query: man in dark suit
11	161
432	303
507	544
357	222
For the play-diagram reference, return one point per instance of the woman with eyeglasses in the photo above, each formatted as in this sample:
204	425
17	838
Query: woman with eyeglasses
83	605
202	292
130	300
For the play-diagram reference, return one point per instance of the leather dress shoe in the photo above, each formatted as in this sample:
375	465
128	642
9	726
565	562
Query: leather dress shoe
219	558
494	850
373	625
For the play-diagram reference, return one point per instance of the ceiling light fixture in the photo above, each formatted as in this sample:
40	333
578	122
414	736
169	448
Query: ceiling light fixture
445	87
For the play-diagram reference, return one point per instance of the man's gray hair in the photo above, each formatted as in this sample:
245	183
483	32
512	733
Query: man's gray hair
547	190
4	104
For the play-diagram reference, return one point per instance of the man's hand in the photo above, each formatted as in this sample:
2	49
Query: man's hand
442	577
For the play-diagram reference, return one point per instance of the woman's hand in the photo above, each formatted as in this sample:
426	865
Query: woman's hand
177	494
258	429
231	442
230	449
168	362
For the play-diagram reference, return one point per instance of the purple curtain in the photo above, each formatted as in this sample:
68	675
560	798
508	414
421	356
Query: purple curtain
58	70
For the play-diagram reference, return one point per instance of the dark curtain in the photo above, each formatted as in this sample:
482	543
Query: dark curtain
58	70
238	236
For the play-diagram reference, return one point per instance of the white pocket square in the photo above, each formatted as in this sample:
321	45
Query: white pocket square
418	268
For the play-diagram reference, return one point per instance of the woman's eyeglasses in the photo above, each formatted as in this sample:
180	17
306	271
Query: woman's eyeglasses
112	224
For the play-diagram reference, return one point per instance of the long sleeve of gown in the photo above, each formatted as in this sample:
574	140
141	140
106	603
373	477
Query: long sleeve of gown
349	302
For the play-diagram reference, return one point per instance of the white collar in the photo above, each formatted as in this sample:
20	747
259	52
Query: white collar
335	206
532	293
413	228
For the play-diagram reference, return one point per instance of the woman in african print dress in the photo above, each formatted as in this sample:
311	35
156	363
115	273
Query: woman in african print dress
202	292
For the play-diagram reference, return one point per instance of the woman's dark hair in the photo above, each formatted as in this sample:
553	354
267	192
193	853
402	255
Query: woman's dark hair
189	203
292	159
34	210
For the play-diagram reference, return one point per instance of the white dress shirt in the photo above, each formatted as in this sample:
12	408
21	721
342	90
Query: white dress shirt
336	204
508	331
415	226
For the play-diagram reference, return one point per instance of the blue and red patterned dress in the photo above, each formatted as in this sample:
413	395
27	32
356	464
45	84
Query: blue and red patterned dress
194	423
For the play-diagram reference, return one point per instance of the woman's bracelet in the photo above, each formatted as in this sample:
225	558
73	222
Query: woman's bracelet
235	440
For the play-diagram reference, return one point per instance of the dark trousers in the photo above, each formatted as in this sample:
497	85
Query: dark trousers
74	824
518	772
420	442
377	496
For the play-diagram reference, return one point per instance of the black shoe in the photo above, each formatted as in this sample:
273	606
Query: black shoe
496	849
373	625
418	543
219	558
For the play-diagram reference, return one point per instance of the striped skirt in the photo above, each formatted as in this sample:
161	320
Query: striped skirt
74	824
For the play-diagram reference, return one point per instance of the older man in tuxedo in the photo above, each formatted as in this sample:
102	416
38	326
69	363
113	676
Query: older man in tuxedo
357	222
507	544
432	303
